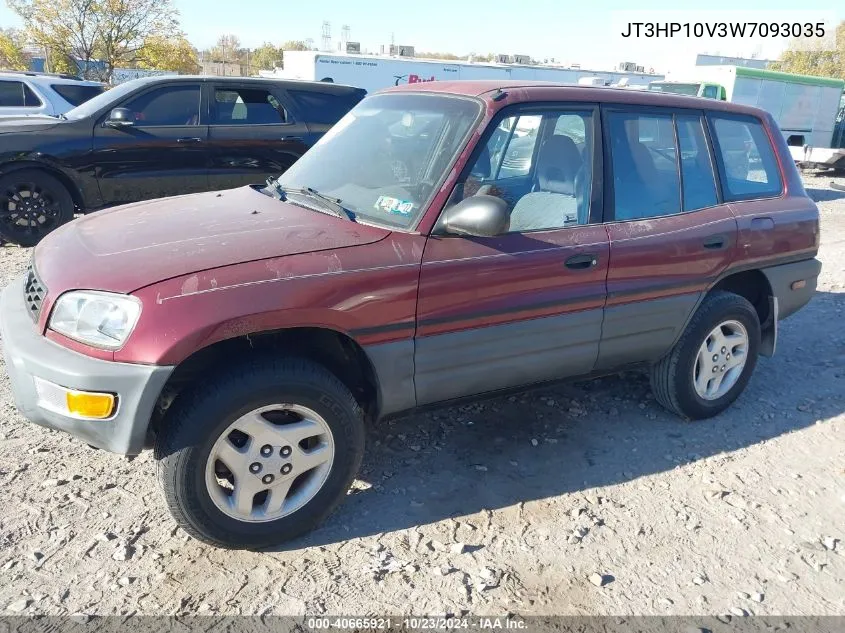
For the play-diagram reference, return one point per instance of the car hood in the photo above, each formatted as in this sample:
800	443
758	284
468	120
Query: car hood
129	247
31	123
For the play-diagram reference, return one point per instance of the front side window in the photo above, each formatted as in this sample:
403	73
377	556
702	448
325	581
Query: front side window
541	165
512	144
748	165
385	158
645	165
246	106
172	105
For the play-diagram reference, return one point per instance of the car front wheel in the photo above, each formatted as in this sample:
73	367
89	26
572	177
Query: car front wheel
261	455
32	204
712	362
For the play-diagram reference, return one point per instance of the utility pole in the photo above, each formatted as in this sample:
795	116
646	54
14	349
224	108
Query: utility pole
327	36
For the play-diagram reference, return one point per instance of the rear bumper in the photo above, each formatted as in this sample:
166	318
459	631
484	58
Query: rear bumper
782	278
822	156
29	355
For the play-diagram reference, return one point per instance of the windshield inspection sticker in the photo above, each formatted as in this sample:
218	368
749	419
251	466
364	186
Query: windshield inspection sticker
389	204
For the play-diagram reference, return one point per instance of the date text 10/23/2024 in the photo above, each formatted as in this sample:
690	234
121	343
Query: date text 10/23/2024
417	623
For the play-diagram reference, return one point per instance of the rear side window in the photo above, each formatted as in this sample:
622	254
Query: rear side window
16	94
747	163
696	168
247	106
645	165
322	107
77	95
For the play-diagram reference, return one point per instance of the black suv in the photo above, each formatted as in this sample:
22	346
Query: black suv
157	137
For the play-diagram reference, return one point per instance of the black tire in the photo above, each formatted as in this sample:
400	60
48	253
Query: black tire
672	378
197	418
25	222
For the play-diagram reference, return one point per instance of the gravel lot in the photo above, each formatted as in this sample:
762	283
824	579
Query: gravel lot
580	499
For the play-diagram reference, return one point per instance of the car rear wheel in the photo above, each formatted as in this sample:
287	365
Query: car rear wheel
711	364
259	455
32	204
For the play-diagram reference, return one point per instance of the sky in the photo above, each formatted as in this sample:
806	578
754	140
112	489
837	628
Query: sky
572	32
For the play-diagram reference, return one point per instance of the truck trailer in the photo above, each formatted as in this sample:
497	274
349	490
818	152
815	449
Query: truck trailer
808	109
374	72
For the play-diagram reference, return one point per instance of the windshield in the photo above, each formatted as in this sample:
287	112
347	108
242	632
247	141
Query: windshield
384	159
676	89
102	100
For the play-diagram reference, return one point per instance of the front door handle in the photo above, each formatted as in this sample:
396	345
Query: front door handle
293	139
580	262
714	242
194	139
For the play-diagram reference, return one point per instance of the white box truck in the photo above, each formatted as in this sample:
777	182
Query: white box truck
374	72
806	108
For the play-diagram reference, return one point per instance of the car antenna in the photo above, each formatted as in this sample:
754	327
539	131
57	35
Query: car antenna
500	94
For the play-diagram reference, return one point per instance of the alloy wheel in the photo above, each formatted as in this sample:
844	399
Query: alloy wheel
28	208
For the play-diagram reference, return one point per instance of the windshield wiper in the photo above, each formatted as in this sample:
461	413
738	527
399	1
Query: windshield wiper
332	204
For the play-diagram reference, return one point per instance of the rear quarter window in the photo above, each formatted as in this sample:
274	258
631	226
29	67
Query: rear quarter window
747	164
77	95
324	107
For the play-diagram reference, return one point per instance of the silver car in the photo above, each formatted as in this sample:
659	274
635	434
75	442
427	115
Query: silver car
29	93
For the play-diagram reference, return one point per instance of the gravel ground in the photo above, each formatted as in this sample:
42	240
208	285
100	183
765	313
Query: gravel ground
580	499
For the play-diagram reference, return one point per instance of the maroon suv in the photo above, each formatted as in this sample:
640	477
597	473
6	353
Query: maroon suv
442	241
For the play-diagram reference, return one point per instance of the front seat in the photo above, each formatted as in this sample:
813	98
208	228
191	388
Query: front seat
554	202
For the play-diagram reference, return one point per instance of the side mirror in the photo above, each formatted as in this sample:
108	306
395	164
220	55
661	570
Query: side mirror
120	117
476	216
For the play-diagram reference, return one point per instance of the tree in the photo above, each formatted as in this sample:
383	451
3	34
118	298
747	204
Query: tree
266	57
12	56
294	45
164	53
127	24
227	50
807	60
111	31
64	28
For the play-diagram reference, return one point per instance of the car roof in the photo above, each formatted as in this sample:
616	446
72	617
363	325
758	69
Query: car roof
322	86
47	78
518	91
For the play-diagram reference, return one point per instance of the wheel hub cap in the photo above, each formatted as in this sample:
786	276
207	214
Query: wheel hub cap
720	361
269	463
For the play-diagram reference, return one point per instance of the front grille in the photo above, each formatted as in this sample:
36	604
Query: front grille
34	292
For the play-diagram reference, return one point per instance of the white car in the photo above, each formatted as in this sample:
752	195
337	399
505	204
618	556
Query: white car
41	94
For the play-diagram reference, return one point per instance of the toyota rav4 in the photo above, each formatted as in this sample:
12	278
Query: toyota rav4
424	250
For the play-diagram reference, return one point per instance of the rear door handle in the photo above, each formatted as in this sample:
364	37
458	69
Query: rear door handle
194	139
715	242
580	262
293	139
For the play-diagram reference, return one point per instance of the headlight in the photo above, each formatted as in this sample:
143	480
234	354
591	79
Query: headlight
100	319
